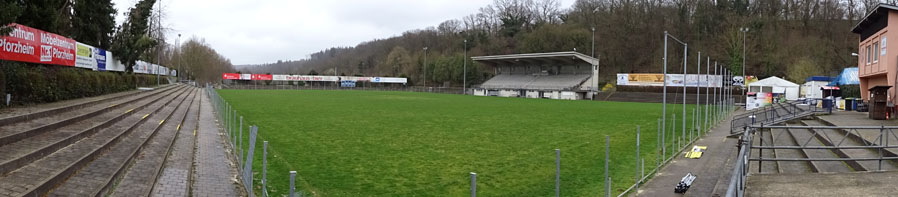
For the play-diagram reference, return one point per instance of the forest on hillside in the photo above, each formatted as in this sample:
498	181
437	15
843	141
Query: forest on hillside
787	38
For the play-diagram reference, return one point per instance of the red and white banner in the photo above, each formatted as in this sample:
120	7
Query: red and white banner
230	76
235	76
304	78
26	44
261	77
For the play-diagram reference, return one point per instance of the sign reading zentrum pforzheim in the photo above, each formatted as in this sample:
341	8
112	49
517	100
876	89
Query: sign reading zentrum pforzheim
27	44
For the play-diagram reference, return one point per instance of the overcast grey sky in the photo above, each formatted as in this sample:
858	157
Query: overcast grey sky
263	31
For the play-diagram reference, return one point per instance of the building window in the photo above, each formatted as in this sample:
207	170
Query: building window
867	53
875	52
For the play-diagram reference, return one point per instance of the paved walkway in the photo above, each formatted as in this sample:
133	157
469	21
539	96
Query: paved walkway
215	173
709	170
174	180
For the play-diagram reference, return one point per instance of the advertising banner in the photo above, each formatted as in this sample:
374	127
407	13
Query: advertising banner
230	76
26	44
87	56
304	78
675	80
389	80
261	77
246	76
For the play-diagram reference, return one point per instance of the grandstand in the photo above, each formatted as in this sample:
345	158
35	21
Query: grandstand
558	75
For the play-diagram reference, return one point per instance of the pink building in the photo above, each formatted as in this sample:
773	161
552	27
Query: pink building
877	60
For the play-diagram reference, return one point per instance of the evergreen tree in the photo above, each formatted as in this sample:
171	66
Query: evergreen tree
44	15
93	22
11	11
131	39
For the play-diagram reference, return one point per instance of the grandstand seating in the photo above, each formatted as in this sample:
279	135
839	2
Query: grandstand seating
535	82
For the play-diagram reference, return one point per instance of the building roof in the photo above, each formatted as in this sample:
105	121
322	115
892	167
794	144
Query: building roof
880	11
569	57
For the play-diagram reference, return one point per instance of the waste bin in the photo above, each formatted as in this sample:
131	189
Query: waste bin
879	103
849	104
854	103
827	103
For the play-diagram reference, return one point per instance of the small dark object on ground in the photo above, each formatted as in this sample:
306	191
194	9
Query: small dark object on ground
685	183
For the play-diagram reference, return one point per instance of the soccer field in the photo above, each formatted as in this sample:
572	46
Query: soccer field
371	143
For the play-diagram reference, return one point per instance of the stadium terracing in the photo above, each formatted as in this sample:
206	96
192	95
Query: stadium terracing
557	75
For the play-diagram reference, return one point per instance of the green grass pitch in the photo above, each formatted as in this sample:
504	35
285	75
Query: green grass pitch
370	143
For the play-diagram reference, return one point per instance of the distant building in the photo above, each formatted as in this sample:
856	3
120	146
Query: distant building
558	75
876	58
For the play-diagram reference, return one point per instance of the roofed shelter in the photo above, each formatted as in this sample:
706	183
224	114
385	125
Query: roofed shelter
557	75
876	58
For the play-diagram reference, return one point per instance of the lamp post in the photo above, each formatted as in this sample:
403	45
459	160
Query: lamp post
744	80
179	57
425	67
464	79
593	41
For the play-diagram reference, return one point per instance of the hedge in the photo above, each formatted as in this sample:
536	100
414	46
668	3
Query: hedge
35	83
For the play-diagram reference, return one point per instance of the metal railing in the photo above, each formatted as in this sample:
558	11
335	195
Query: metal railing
879	144
773	114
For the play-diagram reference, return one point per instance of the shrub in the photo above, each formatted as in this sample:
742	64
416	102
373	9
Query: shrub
35	83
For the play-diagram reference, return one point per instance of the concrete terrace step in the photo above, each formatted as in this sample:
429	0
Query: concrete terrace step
784	138
808	138
42	122
24	151
851	138
174	179
42	175
98	174
139	178
17	114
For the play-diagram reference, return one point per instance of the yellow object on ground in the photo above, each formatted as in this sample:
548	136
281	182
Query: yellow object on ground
696	152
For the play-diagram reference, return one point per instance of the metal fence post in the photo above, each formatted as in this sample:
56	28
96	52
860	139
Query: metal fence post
473	184
557	172
292	187
637	159
248	164
659	144
607	183
265	168
240	158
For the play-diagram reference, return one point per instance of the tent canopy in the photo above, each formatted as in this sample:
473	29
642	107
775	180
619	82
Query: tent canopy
774	82
847	77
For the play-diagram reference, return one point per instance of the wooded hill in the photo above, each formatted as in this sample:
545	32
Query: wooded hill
788	38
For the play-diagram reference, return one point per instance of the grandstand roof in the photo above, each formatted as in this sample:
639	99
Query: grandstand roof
569	57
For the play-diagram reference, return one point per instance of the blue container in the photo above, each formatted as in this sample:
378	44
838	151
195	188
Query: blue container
854	104
827	103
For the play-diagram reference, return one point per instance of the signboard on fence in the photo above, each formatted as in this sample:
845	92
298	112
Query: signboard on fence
87	56
675	80
261	77
26	44
230	76
389	80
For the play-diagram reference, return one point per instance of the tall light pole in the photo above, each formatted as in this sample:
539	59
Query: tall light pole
464	86
425	67
744	79
179	57
593	42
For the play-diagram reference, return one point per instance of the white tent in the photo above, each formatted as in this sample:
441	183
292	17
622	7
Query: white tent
776	85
